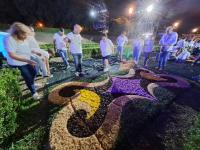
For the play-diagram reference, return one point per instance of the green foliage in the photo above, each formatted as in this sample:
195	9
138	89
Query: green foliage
193	137
50	30
9	102
31	141
90	50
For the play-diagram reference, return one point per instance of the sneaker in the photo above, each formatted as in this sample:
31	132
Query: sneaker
68	67
38	85
36	96
77	74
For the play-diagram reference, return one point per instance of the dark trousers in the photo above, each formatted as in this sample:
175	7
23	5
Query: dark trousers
78	62
28	73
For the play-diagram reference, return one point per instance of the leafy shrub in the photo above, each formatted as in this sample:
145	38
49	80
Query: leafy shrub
9	102
193	137
32	141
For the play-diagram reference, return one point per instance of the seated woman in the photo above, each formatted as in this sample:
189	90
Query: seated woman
19	55
43	59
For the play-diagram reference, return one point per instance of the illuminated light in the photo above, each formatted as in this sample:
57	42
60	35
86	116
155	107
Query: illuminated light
39	25
150	8
194	30
93	13
130	10
176	24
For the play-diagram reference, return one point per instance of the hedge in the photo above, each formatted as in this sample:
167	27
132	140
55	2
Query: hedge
10	95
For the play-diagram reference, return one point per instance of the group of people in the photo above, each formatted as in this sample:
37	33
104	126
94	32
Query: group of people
25	54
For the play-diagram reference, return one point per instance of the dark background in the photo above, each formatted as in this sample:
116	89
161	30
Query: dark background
65	13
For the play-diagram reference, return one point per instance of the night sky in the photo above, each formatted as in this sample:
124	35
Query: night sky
67	12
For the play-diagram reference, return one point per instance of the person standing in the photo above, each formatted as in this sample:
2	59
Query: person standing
19	55
121	41
148	48
168	40
107	49
75	40
61	47
137	49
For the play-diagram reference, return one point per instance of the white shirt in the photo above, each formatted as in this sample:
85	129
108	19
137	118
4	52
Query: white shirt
148	45
35	47
75	43
122	40
60	42
21	48
106	47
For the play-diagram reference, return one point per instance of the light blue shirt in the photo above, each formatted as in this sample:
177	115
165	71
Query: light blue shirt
168	41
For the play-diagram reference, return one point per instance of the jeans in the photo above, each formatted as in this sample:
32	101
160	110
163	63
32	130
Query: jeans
28	73
136	54
40	65
163	59
146	57
78	61
63	55
120	50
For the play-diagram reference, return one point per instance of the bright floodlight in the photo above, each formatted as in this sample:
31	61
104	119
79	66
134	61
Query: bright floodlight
130	10
176	24
93	13
149	8
194	30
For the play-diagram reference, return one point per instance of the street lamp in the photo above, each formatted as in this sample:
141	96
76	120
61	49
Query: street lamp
150	8
130	11
93	13
194	30
176	24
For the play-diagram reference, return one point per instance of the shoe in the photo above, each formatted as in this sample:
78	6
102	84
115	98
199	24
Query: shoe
77	74
38	85
68	67
36	96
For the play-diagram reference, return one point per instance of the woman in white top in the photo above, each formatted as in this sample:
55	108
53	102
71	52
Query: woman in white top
107	49
19	54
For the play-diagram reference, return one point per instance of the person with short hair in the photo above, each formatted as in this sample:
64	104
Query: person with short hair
168	40
61	47
107	49
19	55
121	41
75	42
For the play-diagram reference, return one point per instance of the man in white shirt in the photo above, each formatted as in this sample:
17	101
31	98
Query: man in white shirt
167	42
121	41
75	40
148	48
60	45
107	49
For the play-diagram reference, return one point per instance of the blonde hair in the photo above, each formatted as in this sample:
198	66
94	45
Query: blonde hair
18	29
